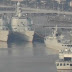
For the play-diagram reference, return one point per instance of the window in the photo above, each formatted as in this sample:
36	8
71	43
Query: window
67	59
64	64
70	64
62	45
60	64
67	64
57	64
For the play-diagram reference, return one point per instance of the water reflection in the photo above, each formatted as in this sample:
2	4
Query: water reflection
28	49
33	53
64	70
38	49
3	48
25	49
50	51
3	45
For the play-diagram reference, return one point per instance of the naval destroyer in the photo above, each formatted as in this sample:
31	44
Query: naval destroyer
4	32
22	25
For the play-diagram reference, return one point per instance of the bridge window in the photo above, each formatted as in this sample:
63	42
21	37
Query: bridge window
67	59
70	64
60	64
64	64
67	64
57	64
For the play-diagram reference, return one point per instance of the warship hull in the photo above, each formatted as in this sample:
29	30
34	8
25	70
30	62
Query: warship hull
4	35
26	36
64	68
53	44
3	44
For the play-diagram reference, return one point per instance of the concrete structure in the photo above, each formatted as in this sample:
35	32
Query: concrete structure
4	32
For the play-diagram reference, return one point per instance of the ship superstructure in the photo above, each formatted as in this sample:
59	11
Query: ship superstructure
22	25
4	32
65	59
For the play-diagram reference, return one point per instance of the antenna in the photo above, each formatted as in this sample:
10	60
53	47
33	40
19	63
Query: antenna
55	31
56	28
18	3
18	10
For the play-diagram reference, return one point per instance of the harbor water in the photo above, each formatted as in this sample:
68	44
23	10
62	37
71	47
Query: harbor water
27	57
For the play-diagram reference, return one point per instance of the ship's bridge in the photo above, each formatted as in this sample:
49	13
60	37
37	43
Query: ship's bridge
66	54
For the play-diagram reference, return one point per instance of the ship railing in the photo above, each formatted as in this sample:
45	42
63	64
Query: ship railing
62	60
